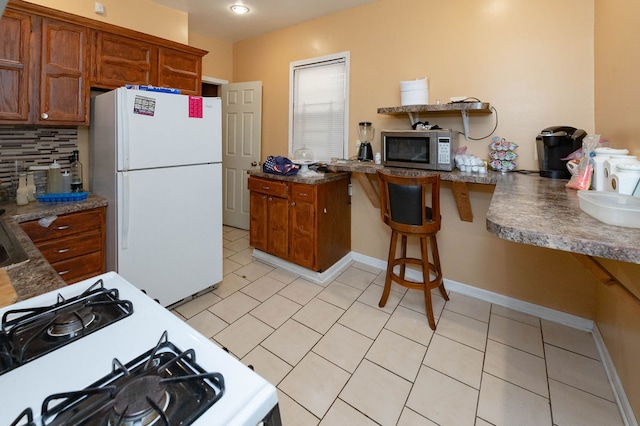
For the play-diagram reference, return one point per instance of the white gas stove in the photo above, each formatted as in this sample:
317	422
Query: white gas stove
116	353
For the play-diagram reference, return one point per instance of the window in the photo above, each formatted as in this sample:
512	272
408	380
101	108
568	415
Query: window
318	106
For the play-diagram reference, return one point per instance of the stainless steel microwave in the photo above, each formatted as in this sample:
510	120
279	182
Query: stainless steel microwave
420	149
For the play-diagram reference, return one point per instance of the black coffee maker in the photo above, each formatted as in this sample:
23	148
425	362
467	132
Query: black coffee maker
555	143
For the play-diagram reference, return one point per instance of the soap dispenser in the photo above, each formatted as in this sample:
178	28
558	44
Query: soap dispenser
76	172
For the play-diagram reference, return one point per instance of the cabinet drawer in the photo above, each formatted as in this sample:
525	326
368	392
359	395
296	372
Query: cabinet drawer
301	192
268	187
66	248
81	266
65	225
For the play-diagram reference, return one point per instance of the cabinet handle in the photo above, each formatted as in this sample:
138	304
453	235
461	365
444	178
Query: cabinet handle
293	204
266	188
63	250
44	116
62	228
302	194
270	198
264	196
64	272
324	210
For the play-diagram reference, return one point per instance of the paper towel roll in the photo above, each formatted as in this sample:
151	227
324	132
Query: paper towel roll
414	92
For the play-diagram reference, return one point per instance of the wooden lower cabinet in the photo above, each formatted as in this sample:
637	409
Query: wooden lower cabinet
309	225
74	244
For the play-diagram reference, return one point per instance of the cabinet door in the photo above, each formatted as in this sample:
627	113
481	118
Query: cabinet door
278	227
302	223
64	68
121	60
180	70
15	29
258	220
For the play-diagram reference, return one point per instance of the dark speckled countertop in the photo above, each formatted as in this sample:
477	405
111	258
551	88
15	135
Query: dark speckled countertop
542	212
312	180
36	276
489	178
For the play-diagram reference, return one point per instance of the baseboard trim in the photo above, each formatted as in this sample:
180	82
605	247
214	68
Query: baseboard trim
315	277
628	417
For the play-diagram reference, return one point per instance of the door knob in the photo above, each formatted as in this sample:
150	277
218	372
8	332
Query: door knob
254	163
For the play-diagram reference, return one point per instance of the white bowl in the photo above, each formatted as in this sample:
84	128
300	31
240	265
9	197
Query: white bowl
612	208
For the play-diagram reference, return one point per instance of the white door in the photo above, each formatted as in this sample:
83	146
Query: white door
241	136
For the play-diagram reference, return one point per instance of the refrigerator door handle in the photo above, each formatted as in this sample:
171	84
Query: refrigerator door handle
123	133
124	240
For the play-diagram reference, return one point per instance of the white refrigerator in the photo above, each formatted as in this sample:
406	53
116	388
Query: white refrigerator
157	158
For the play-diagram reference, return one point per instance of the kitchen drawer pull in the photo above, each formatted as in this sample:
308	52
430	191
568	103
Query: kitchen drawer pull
62	228
302	194
293	204
63	250
64	272
266	188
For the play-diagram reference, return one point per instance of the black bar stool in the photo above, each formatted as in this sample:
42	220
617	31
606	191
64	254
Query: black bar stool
403	207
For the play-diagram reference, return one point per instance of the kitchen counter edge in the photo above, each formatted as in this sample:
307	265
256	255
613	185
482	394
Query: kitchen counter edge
310	180
542	212
37	276
488	178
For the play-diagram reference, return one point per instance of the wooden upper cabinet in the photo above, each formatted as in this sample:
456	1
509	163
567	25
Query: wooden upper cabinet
119	60
180	70
50	59
64	71
43	71
15	28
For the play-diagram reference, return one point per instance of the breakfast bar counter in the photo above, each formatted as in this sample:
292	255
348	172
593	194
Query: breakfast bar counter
365	174
529	209
542	212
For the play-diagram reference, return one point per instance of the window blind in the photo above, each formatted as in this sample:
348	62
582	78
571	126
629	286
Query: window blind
318	108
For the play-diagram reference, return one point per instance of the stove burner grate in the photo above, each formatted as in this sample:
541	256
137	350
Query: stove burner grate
163	386
30	333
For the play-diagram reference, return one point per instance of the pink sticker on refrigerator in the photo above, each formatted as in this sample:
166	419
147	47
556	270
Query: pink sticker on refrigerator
195	107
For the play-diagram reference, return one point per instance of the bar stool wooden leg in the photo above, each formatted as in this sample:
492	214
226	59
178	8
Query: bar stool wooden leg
390	260
403	255
436	263
426	279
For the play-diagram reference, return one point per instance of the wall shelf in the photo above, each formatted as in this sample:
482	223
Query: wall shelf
463	108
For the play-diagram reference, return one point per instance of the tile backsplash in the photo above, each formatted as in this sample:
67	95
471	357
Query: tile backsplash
22	147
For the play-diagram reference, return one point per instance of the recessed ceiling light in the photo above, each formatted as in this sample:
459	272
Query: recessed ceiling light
239	9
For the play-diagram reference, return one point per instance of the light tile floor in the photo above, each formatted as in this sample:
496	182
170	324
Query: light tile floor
336	358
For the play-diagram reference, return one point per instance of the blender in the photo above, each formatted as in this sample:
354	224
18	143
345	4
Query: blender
365	132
